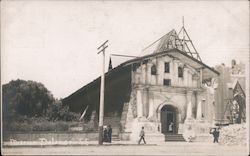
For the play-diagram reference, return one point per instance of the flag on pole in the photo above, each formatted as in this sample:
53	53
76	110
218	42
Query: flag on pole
84	112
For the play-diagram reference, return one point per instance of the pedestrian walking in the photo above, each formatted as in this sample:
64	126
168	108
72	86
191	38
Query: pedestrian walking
109	133
215	133
142	136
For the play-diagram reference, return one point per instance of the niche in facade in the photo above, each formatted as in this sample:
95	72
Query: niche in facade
180	72
167	67
153	70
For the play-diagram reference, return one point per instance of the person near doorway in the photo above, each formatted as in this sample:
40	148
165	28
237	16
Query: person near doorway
215	133
142	136
171	127
109	133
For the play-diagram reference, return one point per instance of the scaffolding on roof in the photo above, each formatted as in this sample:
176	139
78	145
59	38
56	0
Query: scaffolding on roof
172	40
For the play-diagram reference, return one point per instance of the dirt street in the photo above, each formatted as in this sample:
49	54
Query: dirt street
169	148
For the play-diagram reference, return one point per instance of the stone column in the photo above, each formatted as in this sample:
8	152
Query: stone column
139	103
189	110
145	103
174	75
143	73
189	105
185	76
200	77
151	106
149	76
190	80
172	72
157	71
160	73
199	111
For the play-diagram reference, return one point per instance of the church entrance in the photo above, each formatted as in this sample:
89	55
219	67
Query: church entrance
168	119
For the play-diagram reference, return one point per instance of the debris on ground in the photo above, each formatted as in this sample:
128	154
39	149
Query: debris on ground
233	135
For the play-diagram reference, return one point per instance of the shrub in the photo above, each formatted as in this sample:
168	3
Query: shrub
28	98
59	112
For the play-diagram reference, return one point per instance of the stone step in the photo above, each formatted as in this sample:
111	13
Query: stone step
174	137
175	141
116	137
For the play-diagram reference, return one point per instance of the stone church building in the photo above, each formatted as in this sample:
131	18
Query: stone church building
169	86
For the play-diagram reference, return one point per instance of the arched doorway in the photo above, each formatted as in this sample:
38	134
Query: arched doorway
168	119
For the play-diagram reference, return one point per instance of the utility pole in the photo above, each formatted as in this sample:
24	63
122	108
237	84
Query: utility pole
101	108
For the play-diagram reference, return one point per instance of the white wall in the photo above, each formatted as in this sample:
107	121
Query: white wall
143	73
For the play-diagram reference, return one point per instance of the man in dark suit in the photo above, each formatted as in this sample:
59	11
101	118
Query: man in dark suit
216	134
109	133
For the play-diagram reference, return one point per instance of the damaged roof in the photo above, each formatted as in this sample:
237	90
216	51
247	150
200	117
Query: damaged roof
164	43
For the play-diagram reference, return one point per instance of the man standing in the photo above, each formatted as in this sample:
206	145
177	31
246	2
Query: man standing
142	134
109	133
216	134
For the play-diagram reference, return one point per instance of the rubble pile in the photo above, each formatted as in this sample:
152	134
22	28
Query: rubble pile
233	135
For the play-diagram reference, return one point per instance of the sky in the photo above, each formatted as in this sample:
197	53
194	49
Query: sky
55	42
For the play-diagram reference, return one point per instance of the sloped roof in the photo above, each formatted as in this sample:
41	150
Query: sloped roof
175	53
116	60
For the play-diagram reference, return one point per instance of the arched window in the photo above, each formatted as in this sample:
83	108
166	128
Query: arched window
180	72
153	70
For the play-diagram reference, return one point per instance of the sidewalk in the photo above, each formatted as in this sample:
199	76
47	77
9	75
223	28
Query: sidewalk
44	143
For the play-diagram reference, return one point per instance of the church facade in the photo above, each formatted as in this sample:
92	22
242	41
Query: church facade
166	92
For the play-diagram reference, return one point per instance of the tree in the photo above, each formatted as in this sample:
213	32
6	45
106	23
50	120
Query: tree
26	98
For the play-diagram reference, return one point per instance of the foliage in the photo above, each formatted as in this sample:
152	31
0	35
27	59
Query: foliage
27	98
42	125
32	124
58	111
28	105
